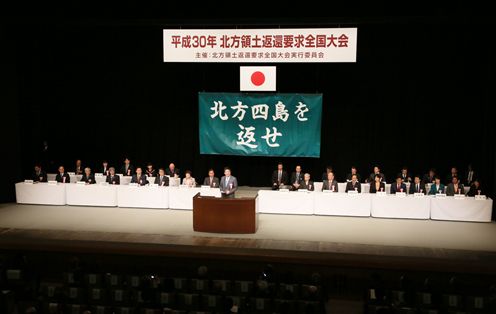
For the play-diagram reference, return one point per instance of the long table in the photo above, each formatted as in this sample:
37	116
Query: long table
466	209
274	202
40	193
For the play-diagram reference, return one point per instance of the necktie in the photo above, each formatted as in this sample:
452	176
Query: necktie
227	181
418	188
279	176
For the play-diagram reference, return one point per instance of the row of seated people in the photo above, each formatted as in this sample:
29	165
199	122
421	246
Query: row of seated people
279	178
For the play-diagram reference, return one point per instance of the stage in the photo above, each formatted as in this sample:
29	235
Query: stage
322	240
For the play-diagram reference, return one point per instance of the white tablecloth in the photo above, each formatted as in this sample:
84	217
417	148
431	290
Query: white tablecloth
40	193
91	195
276	202
342	204
143	196
392	206
342	187
182	198
467	209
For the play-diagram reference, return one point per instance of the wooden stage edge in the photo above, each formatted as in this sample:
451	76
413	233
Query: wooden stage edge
276	251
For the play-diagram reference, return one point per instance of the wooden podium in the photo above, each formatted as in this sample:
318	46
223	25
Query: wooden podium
224	215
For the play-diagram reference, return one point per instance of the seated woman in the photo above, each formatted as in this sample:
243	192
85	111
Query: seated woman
475	189
188	179
437	187
377	185
88	177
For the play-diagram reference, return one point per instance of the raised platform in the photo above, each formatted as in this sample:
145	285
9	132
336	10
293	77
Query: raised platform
323	240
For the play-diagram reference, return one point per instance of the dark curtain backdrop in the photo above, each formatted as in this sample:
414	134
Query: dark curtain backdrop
421	94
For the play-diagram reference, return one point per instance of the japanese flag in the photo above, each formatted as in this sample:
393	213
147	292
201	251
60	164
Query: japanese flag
257	78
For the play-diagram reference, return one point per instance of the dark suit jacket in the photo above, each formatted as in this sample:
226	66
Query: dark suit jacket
81	170
413	188
141	180
350	187
42	177
373	189
215	182
293	178
427	179
116	179
165	181
406	178
284	178
450	190
152	173
359	178
105	172
433	191
232	182
88	179
394	188
307	186
59	177
171	173
328	186
372	177
130	170
473	191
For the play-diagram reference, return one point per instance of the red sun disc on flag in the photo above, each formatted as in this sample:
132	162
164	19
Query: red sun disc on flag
257	78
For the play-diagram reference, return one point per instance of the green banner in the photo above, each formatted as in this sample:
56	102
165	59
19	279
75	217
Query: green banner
260	124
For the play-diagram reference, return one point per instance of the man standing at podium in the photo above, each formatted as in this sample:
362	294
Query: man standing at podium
228	184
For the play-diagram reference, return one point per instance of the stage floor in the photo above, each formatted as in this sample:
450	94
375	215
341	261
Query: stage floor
298	238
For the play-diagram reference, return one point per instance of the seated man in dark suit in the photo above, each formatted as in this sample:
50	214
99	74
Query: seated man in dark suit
455	187
88	177
279	177
127	169
327	170
453	173
113	178
417	186
39	175
162	179
105	169
398	186
211	180
330	184
307	184
172	171
296	178
79	168
430	177
377	171
228	184
139	177
475	188
354	184
353	172
377	185
437	187
405	176
62	176
150	171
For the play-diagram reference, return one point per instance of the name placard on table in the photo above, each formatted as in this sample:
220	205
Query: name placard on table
460	196
400	194
352	192
480	197
418	195
52	182
28	181
441	195
381	193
